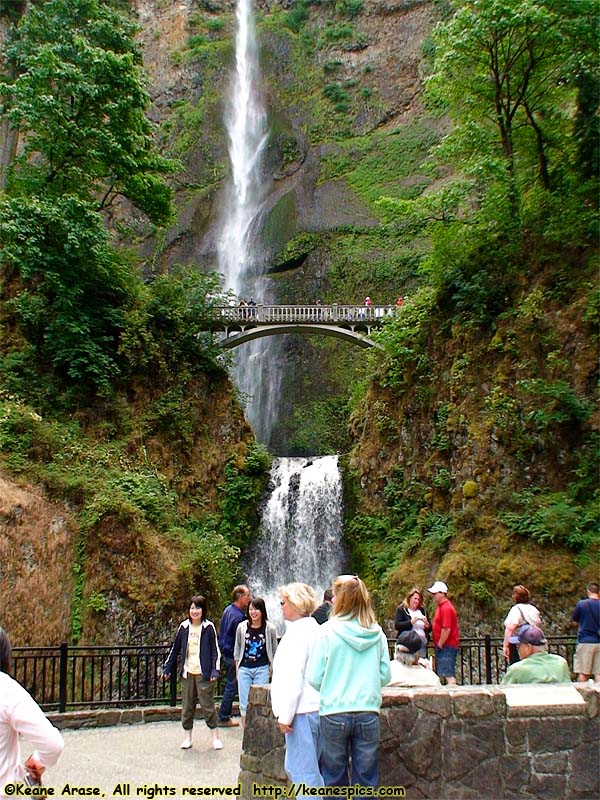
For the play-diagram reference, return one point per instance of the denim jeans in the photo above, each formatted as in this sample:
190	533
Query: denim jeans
445	661
229	691
303	750
247	676
352	735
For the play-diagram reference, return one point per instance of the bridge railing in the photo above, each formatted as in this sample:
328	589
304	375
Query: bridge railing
284	314
72	678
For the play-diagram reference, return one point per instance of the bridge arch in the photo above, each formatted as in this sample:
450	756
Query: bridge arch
236	336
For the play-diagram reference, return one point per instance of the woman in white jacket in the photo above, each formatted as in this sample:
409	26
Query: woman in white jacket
20	714
295	703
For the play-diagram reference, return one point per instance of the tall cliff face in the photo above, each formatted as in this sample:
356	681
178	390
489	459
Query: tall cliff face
342	86
329	79
481	467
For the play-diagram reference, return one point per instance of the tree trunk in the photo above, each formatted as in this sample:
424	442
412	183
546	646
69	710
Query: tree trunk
541	150
9	136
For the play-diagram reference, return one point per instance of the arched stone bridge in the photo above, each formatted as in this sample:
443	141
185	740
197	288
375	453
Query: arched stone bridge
353	323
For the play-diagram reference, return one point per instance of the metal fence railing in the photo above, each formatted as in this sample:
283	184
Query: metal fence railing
68	677
481	658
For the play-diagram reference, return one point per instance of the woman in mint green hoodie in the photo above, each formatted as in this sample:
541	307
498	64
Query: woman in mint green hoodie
349	664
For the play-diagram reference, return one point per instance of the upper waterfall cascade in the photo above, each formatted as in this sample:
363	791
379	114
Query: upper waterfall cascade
257	370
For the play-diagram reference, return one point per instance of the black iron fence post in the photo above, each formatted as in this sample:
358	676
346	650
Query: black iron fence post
488	658
63	669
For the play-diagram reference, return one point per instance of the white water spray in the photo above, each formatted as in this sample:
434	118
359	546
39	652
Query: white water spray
300	536
257	371
245	121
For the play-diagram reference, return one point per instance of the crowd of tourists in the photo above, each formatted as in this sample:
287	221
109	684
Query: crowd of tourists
328	669
326	673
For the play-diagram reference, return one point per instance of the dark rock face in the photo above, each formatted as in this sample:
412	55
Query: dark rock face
458	743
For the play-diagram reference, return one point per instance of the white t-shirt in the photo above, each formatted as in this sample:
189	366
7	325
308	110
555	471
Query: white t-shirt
291	693
20	714
192	657
418	620
521	614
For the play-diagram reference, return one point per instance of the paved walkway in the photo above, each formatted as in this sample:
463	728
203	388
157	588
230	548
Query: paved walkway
145	755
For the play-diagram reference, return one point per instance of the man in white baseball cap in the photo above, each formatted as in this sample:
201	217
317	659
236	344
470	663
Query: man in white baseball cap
445	633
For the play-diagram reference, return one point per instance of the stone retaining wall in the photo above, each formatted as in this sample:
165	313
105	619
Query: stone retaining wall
102	717
463	742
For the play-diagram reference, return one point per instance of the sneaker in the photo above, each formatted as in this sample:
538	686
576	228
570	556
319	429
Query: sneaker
187	743
228	723
217	744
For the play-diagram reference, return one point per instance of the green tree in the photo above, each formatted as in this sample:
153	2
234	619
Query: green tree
74	92
507	71
78	99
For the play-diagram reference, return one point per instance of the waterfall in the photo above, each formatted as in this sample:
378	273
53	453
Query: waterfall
257	371
302	521
300	535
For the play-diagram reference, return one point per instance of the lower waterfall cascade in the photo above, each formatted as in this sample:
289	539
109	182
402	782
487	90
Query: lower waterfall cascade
300	536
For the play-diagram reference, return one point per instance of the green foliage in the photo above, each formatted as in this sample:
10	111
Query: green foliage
554	517
440	441
296	18
331	66
167	332
380	543
130	496
349	8
97	602
554	403
338	96
404	339
374	550
210	559
79	101
506	70
71	316
338	32
375	165
437	530
240	495
480	592
84	318
216	24
317	427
